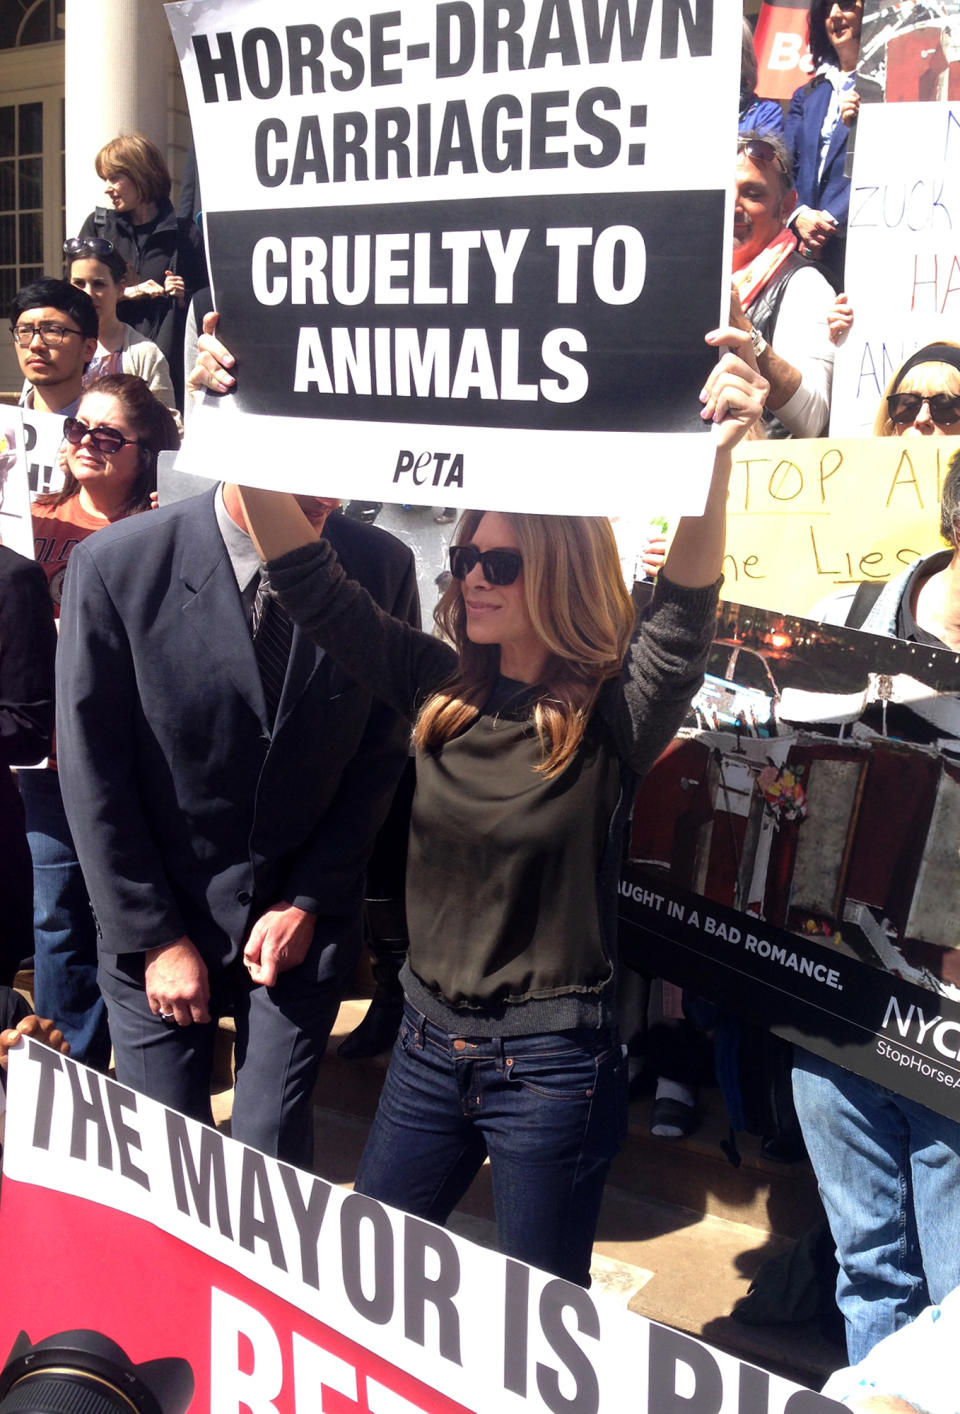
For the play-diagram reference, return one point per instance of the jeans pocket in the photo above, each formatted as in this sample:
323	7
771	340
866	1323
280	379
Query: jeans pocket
569	1074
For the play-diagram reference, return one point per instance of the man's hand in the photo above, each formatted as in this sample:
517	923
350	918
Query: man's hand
840	319
280	939
213	360
653	552
40	1028
178	987
814	228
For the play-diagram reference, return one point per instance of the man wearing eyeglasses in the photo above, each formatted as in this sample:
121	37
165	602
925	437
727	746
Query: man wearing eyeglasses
54	329
779	298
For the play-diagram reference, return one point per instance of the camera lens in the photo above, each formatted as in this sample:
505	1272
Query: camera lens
84	1372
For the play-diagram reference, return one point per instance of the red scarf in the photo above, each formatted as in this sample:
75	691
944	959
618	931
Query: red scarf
749	281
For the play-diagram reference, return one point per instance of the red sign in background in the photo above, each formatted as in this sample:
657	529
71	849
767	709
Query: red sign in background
154	1294
780	40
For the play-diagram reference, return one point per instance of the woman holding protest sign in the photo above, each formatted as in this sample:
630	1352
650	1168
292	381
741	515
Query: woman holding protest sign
532	722
111	449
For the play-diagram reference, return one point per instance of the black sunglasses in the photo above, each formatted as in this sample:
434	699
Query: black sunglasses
500	567
106	439
97	245
903	408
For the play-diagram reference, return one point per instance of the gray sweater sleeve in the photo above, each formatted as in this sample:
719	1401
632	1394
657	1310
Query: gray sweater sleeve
661	673
400	664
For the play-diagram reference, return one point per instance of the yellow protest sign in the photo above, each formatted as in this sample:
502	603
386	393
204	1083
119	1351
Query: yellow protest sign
807	517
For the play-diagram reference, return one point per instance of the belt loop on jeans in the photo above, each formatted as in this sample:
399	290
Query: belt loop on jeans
417	1021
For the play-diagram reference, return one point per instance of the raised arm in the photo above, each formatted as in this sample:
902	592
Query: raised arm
733	398
666	658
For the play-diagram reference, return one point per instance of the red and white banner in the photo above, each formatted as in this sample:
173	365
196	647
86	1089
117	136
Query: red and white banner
286	1293
780	41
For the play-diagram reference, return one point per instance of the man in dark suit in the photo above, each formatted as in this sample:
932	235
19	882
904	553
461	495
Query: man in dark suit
223	834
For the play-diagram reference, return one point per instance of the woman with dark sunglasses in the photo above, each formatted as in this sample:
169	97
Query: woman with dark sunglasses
922	398
95	266
111	451
532	715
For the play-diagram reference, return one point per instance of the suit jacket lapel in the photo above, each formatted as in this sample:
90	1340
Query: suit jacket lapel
212	607
306	659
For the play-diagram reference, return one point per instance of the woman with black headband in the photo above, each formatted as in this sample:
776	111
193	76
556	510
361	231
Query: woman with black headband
531	721
922	399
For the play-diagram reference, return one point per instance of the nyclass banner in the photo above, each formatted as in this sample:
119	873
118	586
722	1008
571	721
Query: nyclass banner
472	247
286	1293
793	854
807	518
903	250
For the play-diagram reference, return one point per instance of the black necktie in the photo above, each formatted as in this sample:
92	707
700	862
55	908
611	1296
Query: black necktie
272	634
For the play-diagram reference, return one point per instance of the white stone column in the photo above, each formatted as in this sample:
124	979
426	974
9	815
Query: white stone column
117	62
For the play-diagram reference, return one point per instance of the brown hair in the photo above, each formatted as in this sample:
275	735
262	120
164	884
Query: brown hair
154	426
579	608
135	156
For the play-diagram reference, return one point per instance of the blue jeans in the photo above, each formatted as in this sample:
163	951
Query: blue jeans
64	929
889	1175
549	1110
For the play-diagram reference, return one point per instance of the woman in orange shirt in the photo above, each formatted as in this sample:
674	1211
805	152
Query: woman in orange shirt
111	451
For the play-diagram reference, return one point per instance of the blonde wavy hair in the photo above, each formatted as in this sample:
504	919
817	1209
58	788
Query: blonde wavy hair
902	383
580	610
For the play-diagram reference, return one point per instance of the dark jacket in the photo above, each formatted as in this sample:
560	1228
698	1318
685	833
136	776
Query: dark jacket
173	244
831	191
27	645
189	817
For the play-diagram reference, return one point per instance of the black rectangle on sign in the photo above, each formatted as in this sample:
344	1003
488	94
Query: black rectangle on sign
866	1020
597	325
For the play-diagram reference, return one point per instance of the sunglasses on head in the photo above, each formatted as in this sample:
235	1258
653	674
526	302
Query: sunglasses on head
96	245
106	439
499	567
760	151
904	408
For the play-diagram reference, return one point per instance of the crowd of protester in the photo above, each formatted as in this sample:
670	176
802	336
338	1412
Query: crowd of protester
239	679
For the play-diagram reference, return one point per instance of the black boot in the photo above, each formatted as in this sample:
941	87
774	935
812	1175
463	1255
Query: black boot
378	1029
